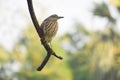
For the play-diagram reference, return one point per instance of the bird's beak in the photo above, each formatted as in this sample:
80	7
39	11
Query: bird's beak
60	17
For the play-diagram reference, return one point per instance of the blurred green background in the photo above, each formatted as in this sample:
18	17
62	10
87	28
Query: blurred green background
89	54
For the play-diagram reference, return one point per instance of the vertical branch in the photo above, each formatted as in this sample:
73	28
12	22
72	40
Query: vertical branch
34	19
41	36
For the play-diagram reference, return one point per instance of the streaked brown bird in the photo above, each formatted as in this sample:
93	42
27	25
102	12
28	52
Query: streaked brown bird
50	27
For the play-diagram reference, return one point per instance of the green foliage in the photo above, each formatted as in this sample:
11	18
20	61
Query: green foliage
88	55
102	10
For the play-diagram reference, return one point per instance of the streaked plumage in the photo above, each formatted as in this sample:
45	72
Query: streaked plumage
50	27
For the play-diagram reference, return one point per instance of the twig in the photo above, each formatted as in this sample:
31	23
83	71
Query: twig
41	36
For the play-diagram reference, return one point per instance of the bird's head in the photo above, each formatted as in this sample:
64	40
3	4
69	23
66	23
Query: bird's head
55	17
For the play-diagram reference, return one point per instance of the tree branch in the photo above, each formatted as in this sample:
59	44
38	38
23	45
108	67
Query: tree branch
41	36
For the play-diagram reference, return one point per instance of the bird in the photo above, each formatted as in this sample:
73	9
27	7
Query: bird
50	27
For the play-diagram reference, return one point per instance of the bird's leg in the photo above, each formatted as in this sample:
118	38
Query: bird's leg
50	45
